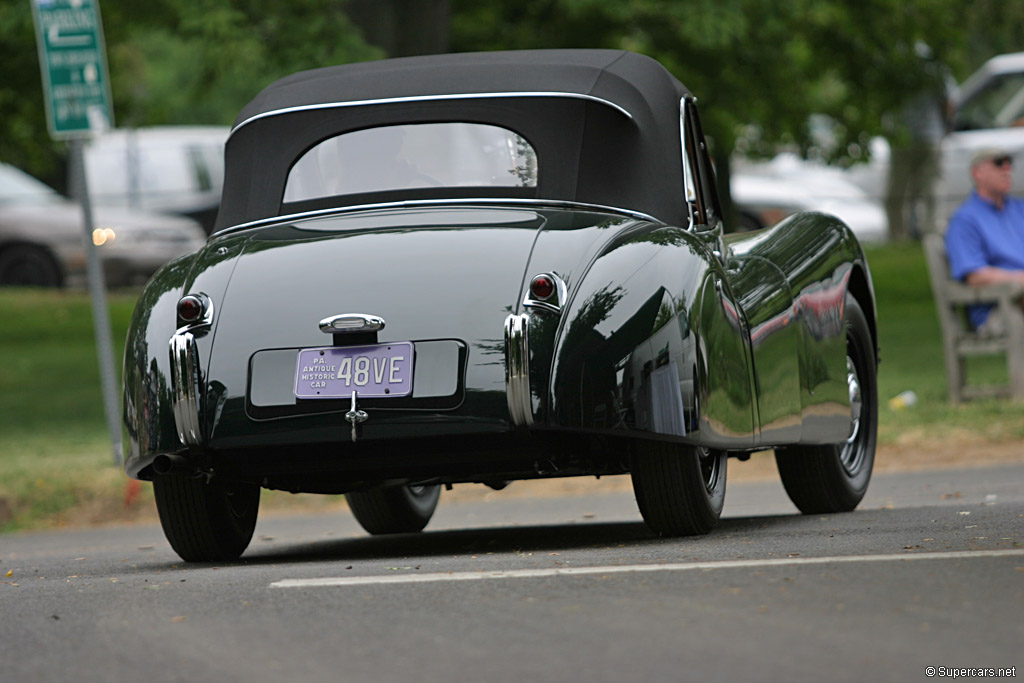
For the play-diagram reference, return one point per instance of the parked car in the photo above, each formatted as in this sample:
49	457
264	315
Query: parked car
767	192
42	241
484	268
169	169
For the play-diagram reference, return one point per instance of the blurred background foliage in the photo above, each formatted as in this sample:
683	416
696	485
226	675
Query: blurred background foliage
762	65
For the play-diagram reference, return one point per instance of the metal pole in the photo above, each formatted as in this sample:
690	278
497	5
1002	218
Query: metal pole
97	291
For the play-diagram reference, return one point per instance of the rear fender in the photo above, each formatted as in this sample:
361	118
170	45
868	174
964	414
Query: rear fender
632	352
815	260
150	425
148	419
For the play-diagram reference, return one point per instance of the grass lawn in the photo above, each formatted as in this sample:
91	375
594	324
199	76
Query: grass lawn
55	460
911	350
55	454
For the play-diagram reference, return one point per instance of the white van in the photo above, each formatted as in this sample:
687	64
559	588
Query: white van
168	169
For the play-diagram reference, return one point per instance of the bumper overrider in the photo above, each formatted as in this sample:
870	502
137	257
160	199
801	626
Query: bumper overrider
546	295
186	378
517	370
185	387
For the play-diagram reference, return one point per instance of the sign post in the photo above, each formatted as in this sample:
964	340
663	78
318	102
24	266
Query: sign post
73	62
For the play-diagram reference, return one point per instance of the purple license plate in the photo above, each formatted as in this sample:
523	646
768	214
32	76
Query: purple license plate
373	371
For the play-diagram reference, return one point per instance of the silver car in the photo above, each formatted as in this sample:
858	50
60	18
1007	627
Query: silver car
42	242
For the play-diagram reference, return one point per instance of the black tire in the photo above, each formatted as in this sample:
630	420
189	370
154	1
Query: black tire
680	490
394	510
24	265
834	478
206	522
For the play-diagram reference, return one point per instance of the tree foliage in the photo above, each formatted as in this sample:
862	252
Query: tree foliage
172	62
761	63
23	138
759	67
199	62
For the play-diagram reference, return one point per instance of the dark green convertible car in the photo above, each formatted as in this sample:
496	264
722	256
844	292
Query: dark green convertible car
485	268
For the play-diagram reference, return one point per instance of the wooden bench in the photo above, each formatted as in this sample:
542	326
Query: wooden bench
959	341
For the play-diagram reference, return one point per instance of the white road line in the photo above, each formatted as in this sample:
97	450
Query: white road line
633	568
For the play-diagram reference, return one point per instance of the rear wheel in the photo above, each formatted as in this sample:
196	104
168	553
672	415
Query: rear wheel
24	265
835	477
680	490
394	510
206	522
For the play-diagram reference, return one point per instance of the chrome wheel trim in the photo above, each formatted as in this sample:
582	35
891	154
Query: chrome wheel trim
851	454
710	467
856	399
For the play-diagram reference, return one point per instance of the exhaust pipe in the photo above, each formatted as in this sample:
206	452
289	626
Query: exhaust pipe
165	464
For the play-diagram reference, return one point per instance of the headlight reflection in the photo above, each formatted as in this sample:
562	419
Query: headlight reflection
101	236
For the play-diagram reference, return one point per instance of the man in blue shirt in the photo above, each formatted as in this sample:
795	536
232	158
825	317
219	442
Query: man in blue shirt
985	239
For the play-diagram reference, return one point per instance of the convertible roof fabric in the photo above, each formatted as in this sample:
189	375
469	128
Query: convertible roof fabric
604	123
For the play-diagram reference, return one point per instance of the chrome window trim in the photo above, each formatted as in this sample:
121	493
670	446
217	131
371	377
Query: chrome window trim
689	185
517	370
429	98
413	203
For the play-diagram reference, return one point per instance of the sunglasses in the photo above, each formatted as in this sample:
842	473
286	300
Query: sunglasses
1002	161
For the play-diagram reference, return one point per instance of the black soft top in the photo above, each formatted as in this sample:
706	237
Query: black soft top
604	123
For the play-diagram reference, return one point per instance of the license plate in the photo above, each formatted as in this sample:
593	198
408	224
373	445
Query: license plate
373	371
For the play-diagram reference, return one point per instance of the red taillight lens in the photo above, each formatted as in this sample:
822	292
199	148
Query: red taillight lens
542	288
190	308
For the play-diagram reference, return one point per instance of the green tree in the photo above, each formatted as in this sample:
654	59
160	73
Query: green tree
172	62
761	67
200	62
23	137
402	28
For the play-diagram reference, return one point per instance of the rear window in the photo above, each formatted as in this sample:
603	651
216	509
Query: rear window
413	156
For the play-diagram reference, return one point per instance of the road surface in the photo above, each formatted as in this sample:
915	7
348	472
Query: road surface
928	572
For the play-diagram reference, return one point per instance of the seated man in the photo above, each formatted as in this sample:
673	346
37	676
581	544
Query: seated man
985	240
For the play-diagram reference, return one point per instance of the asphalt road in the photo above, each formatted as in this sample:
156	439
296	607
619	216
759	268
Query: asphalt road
928	572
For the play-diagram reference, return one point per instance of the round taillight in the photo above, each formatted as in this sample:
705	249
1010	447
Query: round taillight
190	308
542	288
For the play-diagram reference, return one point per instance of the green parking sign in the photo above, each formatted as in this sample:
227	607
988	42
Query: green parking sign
73	62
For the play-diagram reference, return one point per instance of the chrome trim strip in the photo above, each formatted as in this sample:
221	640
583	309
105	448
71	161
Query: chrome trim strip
185	387
429	98
351	322
553	303
413	203
517	370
